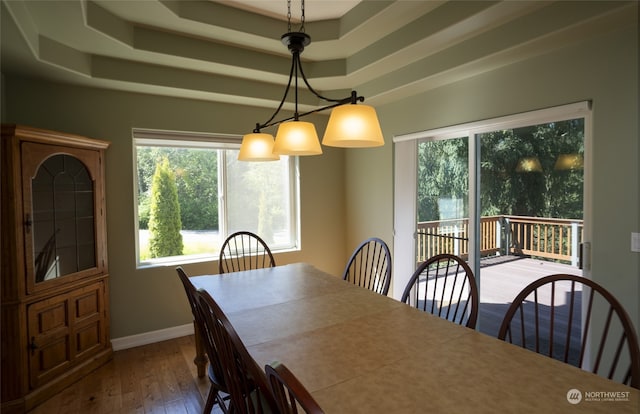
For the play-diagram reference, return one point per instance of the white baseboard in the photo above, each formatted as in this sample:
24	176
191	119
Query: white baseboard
151	337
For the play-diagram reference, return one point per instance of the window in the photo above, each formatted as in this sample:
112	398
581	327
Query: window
192	192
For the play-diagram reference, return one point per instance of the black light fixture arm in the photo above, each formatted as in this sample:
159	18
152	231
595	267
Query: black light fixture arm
296	41
284	98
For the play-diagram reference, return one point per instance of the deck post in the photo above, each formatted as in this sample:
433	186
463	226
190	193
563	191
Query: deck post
507	236
499	237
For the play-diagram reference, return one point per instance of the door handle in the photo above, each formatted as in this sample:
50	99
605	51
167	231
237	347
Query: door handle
27	223
584	259
33	346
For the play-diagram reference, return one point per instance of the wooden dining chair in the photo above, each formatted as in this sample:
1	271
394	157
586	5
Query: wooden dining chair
214	369
244	250
444	285
288	391
370	266
246	383
568	317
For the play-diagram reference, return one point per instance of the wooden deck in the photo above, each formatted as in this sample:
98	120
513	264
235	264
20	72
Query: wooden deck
502	279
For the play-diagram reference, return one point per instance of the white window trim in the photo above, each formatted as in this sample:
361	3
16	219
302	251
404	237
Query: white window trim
554	114
186	138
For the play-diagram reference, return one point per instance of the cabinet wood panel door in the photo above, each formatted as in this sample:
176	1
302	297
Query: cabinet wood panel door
62	210
64	330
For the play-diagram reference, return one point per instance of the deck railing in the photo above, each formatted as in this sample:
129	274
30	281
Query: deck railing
550	238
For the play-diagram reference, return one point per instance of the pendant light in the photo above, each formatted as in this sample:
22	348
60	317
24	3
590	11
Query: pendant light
257	147
351	125
569	162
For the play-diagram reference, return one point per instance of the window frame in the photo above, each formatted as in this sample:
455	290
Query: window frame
202	140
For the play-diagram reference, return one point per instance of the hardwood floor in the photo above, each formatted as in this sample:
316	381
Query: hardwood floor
155	378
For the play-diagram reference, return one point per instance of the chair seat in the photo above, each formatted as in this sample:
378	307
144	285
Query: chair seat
216	392
214	379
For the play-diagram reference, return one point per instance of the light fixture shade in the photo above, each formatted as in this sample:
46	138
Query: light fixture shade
353	126
569	162
257	147
297	138
529	164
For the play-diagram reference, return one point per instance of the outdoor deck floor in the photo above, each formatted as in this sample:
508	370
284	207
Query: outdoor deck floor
502	280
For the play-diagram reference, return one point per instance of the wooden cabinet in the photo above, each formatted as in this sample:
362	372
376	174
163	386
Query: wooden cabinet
55	281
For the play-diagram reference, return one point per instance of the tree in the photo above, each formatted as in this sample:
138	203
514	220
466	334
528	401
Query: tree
197	180
550	191
164	218
196	172
443	174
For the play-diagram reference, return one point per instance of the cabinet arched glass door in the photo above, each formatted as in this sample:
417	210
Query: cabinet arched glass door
60	199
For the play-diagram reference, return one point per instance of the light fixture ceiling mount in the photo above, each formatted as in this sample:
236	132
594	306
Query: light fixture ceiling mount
350	125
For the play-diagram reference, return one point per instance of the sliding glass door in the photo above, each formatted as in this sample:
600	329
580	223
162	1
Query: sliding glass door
507	195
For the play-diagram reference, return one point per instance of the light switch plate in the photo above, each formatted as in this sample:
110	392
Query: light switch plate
635	242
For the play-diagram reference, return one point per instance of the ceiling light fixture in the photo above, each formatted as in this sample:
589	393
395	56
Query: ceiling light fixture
350	124
569	162
529	164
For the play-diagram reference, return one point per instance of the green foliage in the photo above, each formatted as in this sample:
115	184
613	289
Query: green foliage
443	178
550	192
164	217
144	209
196	179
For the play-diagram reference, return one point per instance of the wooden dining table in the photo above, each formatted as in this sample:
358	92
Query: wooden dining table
360	352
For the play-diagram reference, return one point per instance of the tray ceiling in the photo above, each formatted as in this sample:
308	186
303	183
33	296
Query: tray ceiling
230	51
